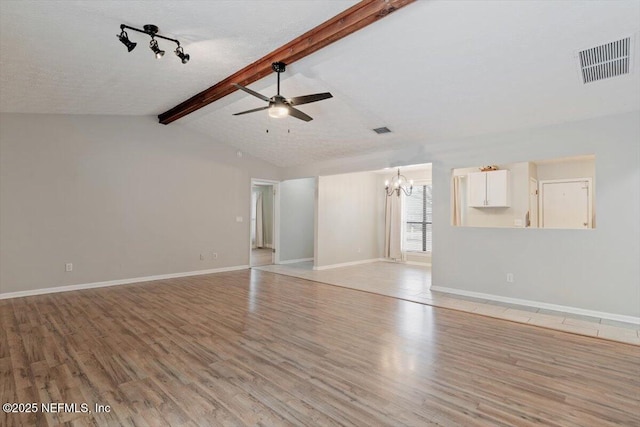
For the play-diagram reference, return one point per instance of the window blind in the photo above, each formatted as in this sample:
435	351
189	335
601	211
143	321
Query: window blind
418	219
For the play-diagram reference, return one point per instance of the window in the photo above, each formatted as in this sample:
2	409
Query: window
418	218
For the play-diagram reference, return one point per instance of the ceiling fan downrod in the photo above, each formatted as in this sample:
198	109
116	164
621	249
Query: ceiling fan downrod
279	67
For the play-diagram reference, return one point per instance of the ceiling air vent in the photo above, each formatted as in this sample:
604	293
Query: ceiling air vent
382	130
604	61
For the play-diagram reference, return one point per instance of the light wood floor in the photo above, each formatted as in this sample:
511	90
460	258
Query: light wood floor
413	283
256	348
261	256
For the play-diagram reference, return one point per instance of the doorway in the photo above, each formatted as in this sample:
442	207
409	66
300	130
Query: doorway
533	203
263	223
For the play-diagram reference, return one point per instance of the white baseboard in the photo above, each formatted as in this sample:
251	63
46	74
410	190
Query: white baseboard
68	288
347	264
293	261
422	264
393	261
537	304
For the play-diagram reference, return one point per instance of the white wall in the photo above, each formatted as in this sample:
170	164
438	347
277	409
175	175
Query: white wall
566	169
590	269
297	205
124	197
119	197
348	212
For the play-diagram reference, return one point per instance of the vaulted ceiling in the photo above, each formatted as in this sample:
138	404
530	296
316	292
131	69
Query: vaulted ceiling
431	71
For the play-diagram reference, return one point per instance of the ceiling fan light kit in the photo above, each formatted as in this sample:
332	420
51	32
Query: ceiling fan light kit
279	106
152	31
278	111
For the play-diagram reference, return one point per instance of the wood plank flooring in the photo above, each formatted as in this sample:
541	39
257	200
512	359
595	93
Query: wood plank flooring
257	348
261	256
413	283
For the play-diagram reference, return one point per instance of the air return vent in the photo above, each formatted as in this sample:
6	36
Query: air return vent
382	130
605	61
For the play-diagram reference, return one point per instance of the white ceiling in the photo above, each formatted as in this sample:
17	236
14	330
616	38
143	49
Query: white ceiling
431	71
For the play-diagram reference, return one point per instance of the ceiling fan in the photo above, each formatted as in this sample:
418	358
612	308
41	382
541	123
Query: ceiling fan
279	106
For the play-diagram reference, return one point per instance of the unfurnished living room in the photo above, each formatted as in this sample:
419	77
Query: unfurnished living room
319	213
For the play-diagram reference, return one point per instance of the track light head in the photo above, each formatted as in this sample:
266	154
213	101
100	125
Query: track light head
184	57
124	39
153	45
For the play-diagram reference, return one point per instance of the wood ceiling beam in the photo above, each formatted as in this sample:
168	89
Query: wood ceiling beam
351	20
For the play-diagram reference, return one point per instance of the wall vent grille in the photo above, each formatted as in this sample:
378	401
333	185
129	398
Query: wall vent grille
605	61
381	130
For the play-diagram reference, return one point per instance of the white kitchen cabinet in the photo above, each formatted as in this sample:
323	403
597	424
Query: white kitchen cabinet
489	189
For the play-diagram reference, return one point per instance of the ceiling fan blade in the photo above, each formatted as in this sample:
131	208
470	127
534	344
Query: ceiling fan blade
252	92
299	114
306	99
251	111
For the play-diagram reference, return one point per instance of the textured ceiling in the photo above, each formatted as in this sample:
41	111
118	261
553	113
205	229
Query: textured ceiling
430	71
64	57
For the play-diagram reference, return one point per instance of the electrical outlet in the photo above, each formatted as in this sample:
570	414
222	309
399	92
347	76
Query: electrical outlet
509	277
68	267
201	257
215	255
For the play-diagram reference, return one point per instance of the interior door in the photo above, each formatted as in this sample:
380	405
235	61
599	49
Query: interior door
566	204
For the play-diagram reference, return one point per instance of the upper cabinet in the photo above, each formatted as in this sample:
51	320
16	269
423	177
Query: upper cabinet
489	189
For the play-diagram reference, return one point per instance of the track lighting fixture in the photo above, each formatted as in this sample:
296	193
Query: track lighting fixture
152	31
184	57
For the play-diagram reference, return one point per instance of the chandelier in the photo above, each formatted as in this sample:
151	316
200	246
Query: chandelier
397	183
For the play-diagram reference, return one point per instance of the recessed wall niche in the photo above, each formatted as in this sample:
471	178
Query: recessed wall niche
550	193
